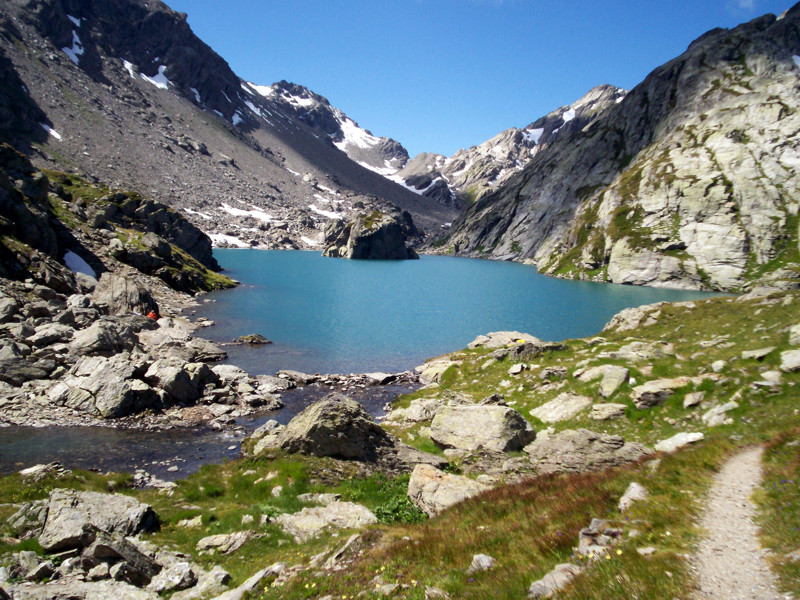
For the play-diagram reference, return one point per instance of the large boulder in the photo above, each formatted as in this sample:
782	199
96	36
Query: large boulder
576	450
104	337
184	383
562	407
373	235
790	361
433	490
678	441
613	376
653	393
121	295
335	426
71	516
500	339
309	522
494	428
107	387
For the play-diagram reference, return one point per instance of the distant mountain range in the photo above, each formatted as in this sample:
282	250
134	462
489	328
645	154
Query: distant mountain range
688	180
124	92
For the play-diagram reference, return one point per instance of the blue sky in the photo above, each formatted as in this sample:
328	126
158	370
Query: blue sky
439	75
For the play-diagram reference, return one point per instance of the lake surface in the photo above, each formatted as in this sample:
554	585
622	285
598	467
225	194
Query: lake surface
327	315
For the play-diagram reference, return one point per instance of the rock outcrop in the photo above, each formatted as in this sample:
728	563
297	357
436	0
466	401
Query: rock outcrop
470	174
576	450
336	426
69	514
433	490
376	235
492	428
309	522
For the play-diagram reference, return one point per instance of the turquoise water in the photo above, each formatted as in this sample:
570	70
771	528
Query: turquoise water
328	315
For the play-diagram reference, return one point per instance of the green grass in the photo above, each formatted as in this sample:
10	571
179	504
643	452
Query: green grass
778	501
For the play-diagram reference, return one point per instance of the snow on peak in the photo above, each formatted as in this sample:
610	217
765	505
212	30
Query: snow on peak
75	20
265	90
76	51
354	135
569	115
159	80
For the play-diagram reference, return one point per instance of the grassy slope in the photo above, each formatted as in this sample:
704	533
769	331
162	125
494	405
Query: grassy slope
532	526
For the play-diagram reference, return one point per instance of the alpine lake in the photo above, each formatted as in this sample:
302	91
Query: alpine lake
326	315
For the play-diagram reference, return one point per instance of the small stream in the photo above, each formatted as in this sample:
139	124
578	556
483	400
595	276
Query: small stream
170	454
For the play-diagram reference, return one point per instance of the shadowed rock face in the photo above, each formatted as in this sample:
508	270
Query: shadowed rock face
682	184
376	235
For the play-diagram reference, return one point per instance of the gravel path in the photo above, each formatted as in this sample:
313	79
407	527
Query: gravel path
729	563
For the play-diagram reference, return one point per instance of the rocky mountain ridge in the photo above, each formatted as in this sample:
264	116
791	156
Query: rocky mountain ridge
472	173
126	93
380	154
689	182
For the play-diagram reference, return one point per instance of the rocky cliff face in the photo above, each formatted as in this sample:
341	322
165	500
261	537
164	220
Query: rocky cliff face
470	174
124	92
372	235
688	182
55	226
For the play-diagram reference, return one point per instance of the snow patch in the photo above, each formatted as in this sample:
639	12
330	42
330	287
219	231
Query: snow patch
533	135
77	265
295	173
401	181
568	116
327	189
217	239
325	213
129	67
239	212
386	172
618	100
202	215
159	80
196	95
75	20
796	60
322	198
236	118
309	241
219	114
77	48
252	107
51	131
